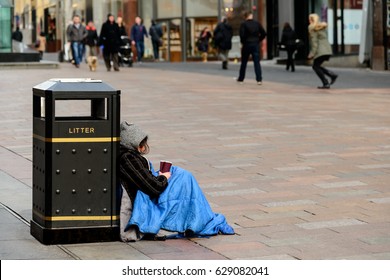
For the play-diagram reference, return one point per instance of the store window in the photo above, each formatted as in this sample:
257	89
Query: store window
5	28
388	32
344	18
168	9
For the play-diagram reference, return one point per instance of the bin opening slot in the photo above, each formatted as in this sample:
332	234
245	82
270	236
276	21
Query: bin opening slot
90	109
39	107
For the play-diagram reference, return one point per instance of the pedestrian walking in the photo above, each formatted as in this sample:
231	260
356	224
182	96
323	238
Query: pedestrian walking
166	199
223	34
156	33
137	34
203	42
320	50
110	40
76	33
91	40
251	35
18	37
40	44
122	26
288	40
90	45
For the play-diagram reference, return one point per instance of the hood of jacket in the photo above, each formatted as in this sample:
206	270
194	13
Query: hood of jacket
317	27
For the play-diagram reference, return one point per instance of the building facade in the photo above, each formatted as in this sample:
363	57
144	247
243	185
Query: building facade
182	20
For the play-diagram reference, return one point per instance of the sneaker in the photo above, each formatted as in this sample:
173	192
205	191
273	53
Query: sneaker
259	83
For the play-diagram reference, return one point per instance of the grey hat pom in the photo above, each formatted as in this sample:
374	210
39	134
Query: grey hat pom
131	135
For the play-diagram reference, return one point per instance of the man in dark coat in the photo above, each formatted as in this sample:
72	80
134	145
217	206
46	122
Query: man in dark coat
156	33
251	34
137	34
223	34
110	39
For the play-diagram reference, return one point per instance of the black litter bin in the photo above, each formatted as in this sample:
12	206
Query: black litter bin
76	140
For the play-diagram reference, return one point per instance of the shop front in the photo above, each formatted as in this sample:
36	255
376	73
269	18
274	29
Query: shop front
5	26
183	20
51	17
344	18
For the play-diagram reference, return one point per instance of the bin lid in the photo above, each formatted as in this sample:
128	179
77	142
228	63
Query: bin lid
74	85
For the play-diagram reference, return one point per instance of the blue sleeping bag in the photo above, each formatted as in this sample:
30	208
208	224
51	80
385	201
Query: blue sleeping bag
181	207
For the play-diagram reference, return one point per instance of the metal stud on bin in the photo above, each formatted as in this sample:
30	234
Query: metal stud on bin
76	140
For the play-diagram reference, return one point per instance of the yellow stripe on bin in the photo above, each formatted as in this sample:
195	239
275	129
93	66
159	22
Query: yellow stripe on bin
76	218
77	140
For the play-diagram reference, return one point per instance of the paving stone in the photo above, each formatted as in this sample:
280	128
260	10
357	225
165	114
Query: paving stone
340	184
330	224
289	203
382	240
294	168
235	192
104	251
324	157
374	166
380	200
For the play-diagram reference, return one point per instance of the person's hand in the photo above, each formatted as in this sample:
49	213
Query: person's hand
310	56
166	174
133	43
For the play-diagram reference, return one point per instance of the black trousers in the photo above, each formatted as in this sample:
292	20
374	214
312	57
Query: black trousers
246	51
290	59
322	72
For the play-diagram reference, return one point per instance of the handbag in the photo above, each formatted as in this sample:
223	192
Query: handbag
299	43
281	47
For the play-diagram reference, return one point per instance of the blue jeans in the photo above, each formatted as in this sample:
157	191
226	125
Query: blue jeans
254	50
140	50
78	50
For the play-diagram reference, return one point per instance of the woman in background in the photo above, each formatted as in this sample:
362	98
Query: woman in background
320	50
289	38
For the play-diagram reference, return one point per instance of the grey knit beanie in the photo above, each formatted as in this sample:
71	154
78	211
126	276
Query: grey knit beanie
131	135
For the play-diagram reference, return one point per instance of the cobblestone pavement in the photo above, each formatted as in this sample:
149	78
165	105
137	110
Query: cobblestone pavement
300	173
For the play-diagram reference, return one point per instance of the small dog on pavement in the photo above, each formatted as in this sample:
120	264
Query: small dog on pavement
92	62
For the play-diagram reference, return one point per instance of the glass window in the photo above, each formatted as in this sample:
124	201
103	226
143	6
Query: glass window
5	29
168	9
202	8
234	11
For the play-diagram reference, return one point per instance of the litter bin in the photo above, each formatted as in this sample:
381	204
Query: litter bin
76	138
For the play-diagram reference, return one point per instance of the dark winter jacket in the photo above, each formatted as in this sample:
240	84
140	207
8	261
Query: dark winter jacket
223	34
17	36
137	33
75	34
122	30
155	32
251	32
135	175
289	38
110	37
92	37
203	41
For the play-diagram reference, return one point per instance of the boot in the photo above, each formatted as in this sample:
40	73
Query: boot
224	65
204	57
333	76
321	75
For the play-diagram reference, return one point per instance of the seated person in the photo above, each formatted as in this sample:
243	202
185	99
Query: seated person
153	200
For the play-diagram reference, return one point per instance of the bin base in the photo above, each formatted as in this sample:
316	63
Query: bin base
73	235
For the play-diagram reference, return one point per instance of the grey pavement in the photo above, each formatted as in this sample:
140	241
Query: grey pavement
300	173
